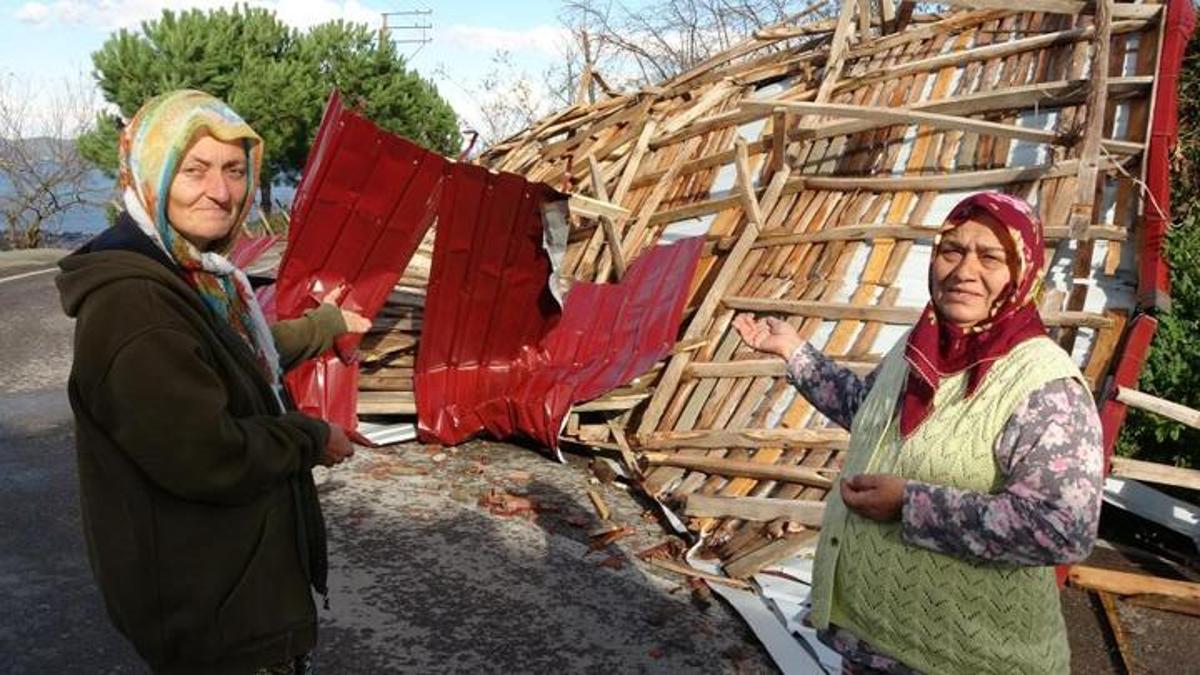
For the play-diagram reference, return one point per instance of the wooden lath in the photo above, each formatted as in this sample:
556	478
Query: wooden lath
819	159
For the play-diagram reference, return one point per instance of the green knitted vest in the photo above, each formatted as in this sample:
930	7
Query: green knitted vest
934	612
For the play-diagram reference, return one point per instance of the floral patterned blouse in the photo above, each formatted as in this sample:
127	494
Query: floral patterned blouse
1050	455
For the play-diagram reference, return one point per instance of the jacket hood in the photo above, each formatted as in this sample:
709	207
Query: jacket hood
121	252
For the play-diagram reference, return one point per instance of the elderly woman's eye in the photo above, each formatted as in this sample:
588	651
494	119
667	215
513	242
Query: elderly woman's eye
950	253
237	172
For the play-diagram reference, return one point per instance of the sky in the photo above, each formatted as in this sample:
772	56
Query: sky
44	45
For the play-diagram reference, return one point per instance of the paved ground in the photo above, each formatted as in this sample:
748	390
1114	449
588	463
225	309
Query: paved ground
424	579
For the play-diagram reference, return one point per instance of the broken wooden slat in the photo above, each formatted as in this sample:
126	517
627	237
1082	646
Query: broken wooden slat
1159	406
780	549
1120	10
745	438
727	467
689	571
895	315
908	116
1153	472
759	509
1128	583
594	208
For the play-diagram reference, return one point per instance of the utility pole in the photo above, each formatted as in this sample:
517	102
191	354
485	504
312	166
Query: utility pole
414	32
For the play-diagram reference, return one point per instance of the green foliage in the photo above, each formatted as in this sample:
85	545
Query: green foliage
1172	369
98	144
276	78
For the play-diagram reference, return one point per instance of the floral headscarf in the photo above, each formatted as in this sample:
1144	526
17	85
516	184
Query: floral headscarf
151	149
937	348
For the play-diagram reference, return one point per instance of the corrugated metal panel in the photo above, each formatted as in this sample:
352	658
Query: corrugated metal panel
366	199
496	353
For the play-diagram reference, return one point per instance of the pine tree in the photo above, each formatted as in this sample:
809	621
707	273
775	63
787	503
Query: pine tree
278	80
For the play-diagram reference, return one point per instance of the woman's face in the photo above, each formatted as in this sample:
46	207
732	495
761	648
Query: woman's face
208	191
970	270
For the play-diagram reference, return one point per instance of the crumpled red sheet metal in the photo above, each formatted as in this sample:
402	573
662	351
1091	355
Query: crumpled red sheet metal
366	199
497	354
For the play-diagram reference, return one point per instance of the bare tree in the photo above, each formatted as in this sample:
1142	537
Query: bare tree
42	175
659	39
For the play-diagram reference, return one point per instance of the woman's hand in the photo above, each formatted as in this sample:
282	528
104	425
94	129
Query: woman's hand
338	449
355	322
878	496
769	335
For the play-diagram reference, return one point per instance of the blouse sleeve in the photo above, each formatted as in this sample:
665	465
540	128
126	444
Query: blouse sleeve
1051	456
307	336
836	391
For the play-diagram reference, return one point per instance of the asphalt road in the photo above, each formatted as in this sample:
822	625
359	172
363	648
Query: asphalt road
423	579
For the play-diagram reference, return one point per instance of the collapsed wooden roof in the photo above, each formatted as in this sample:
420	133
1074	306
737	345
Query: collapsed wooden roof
818	160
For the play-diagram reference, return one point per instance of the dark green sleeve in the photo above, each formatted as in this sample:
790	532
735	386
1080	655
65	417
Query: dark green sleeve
299	339
166	407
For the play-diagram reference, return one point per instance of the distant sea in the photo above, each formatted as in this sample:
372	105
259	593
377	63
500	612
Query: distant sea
79	224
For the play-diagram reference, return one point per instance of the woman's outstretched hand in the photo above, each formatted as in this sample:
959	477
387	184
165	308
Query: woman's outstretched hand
878	496
355	322
769	335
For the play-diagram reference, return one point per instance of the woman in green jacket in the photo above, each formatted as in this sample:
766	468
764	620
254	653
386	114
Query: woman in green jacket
974	466
201	518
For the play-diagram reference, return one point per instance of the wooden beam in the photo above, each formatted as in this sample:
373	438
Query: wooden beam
1118	631
909	116
611	403
689	571
903	233
961	180
595	208
1089	154
1159	406
786	473
765	556
1127	583
610	230
1123	10
1153	472
699	324
988	52
757	509
837	55
762	368
386	403
745	438
837	311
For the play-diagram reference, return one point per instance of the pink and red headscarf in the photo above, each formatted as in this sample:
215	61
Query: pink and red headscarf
937	348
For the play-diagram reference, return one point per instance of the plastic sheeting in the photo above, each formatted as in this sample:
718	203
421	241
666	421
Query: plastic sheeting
496	353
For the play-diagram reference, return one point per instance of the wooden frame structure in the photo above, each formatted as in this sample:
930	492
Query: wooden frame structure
819	160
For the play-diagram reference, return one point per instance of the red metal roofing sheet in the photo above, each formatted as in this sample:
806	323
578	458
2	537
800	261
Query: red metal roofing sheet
497	354
366	199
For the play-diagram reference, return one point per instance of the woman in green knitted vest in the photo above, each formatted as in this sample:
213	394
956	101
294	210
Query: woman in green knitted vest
974	466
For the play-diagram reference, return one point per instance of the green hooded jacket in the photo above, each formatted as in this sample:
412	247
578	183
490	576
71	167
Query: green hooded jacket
200	516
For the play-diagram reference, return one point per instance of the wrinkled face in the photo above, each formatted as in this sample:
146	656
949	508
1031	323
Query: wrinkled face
970	270
208	191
